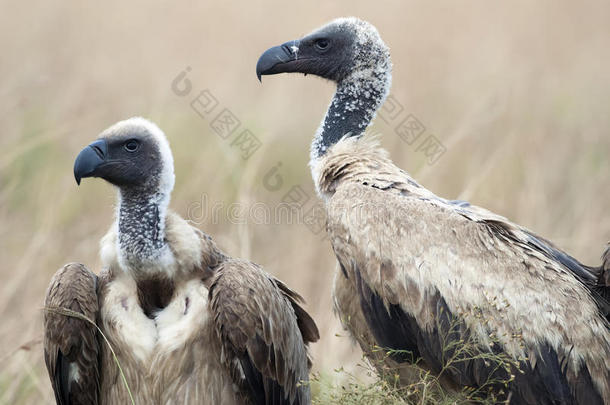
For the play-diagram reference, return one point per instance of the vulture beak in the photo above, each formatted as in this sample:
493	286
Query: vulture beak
279	59
89	159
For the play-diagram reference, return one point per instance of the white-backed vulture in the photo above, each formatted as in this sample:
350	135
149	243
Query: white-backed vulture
188	324
419	273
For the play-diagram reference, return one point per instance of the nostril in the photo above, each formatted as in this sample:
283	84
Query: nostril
287	49
98	151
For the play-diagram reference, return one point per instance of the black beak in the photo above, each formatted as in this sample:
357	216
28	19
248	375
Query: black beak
278	59
89	159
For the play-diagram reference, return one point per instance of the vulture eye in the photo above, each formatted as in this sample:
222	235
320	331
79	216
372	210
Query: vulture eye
132	145
322	44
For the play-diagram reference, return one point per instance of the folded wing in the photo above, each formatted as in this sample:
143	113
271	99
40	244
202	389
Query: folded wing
263	332
430	273
70	343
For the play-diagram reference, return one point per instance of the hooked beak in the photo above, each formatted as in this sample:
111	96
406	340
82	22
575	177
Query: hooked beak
279	59
89	159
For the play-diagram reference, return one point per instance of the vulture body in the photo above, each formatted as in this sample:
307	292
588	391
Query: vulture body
187	323
425	276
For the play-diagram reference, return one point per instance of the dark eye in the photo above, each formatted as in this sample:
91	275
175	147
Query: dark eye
132	145
322	44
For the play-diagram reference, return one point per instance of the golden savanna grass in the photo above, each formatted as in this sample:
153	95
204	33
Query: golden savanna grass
517	92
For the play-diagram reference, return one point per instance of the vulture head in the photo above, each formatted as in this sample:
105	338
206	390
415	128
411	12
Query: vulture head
134	155
338	51
350	53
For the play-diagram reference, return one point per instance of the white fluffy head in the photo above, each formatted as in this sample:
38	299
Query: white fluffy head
141	127
140	163
367	55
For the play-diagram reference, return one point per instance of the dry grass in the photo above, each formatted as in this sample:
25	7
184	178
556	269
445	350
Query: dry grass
390	385
516	91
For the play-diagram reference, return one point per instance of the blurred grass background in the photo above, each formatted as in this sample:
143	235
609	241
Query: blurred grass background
517	92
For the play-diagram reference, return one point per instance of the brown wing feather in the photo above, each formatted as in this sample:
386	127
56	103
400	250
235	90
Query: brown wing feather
263	344
70	344
410	254
307	326
406	246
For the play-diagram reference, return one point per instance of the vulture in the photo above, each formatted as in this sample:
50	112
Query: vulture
422	275
171	318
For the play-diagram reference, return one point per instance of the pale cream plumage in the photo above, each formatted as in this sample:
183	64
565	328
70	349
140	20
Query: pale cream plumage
188	323
410	246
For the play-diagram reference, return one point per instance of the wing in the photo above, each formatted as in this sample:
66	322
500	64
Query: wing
307	326
428	275
596	279
264	334
70	344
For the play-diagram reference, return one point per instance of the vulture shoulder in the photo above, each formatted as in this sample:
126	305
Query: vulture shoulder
71	344
429	271
263	332
603	284
606	266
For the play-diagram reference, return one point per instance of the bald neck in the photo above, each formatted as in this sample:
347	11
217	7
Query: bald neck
353	107
141	224
143	248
